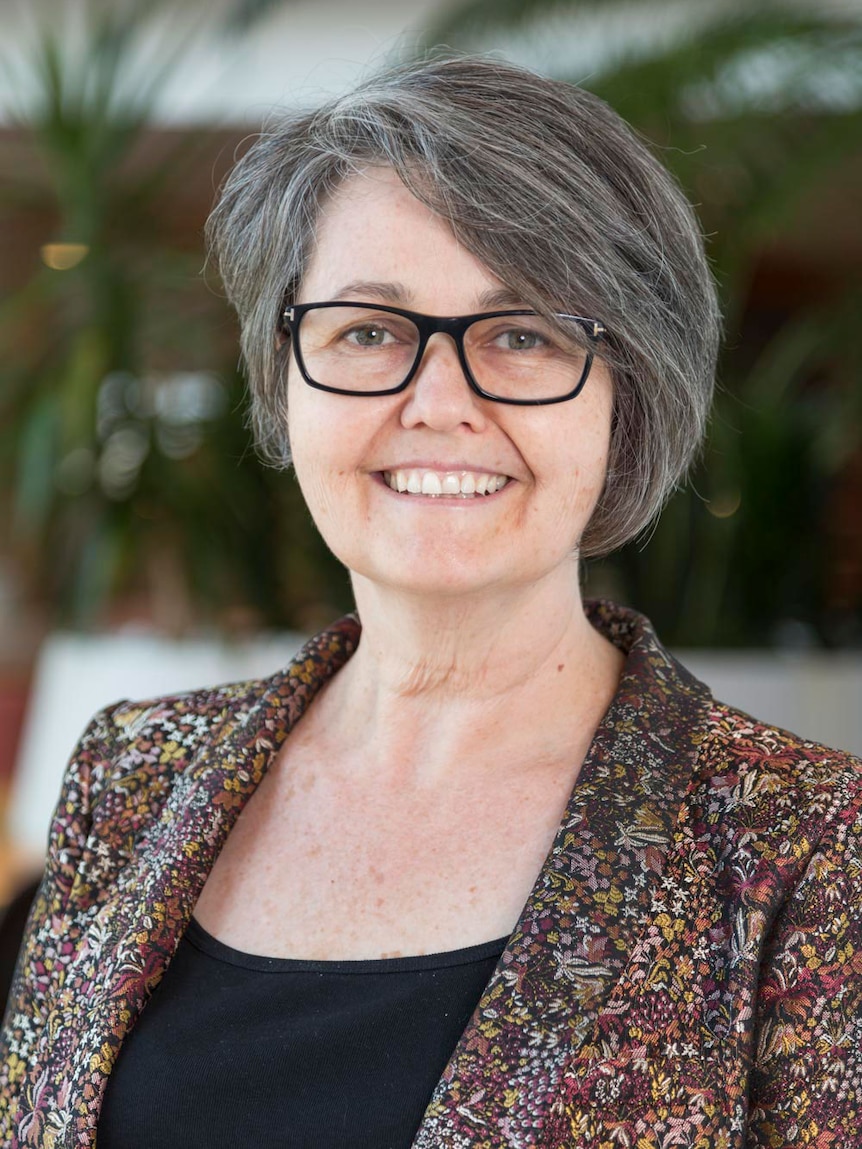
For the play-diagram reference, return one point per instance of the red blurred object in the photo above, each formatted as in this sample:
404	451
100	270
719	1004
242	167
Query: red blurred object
14	693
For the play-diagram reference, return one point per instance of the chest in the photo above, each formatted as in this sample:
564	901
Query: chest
327	866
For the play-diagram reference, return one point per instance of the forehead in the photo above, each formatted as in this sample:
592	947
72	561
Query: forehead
373	229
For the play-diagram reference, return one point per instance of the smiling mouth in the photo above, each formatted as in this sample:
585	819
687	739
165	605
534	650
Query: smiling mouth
444	484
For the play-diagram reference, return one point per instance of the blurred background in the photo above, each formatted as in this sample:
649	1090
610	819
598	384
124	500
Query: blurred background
144	548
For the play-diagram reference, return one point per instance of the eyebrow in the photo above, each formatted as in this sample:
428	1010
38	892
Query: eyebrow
397	293
501	297
378	290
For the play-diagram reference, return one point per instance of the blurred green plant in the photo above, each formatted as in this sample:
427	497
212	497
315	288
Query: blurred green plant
758	111
134	488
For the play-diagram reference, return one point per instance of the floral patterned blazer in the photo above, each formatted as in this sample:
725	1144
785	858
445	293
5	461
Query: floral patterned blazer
687	970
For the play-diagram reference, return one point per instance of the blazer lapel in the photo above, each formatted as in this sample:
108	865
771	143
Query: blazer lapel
586	909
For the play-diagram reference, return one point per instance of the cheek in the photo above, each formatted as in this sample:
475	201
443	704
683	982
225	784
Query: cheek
337	517
578	448
321	482
577	458
309	453
326	456
597	424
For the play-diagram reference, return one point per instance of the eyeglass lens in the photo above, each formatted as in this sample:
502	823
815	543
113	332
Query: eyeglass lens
511	357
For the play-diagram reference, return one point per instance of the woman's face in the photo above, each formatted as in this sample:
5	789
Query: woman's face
377	243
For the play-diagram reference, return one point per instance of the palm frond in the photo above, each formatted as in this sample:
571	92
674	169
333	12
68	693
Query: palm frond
487	19
704	73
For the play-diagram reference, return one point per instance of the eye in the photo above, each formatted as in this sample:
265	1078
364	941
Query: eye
520	339
368	335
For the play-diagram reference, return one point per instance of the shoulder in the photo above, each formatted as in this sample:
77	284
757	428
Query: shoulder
131	746
162	735
182	719
147	744
185	717
785	803
744	758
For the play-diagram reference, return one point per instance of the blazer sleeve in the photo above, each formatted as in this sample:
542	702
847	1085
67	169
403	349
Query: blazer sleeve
806	1085
36	974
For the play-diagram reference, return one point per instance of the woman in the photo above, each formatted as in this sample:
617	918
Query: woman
490	869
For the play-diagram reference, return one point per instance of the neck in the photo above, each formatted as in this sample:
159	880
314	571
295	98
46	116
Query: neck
478	647
433	680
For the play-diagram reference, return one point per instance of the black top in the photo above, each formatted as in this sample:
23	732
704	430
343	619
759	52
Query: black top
237	1049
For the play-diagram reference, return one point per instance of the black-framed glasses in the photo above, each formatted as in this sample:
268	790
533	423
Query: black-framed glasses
508	356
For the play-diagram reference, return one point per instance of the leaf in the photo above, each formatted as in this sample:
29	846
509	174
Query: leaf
34	489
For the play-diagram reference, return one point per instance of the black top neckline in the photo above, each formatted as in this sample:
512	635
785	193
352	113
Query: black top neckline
240	1048
206	943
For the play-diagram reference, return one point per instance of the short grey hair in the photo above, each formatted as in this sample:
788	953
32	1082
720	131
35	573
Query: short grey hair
554	193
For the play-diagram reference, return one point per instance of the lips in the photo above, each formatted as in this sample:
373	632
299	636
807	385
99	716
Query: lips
444	484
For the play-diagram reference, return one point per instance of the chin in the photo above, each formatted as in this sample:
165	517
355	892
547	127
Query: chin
423	576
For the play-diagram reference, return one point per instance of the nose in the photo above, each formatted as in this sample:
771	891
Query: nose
439	395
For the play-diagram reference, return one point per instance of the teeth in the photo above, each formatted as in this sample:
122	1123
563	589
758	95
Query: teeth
455	484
